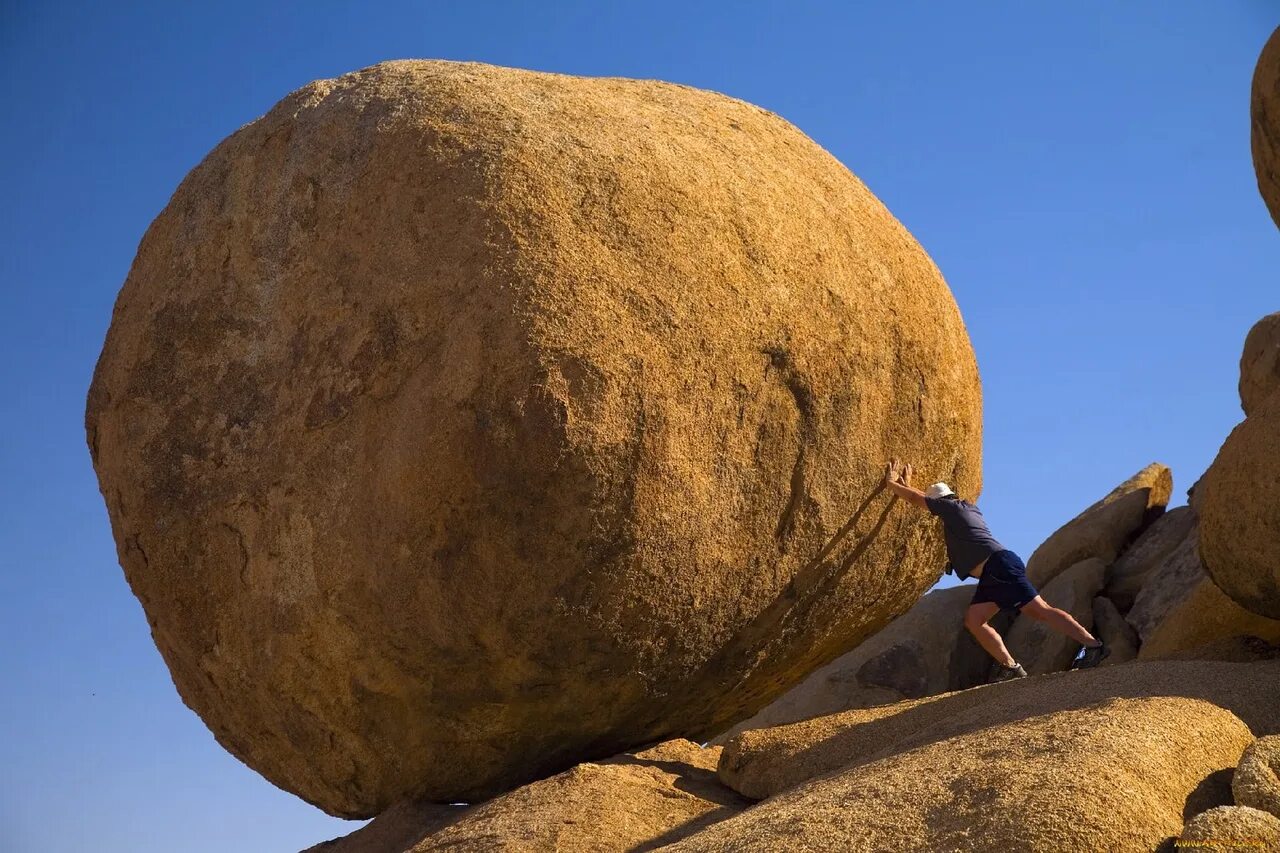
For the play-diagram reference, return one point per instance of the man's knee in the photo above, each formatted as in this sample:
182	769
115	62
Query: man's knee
974	622
1039	611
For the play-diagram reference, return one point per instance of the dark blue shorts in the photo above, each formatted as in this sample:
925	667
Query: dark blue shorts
1004	582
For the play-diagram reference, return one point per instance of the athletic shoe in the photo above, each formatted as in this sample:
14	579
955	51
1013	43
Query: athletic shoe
1008	673
1090	657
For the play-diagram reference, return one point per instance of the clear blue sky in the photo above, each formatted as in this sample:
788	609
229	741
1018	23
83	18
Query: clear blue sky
1080	172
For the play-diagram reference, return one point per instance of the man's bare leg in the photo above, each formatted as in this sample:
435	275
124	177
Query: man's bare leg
975	620
1059	620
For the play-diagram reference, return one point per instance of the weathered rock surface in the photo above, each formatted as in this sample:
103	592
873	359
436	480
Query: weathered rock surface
1231	828
1256	781
636	801
1204	616
910	658
764	762
1111	775
1038	647
1110	627
458	424
1131	570
1106	527
1168	585
1260	363
1265	113
1240	516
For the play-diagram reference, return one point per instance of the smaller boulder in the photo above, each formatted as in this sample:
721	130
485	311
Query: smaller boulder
1104	528
1232	827
1256	781
1038	647
1129	573
1110	627
1260	363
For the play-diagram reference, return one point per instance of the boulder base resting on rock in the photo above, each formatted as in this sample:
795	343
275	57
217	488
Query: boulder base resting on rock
1256	781
458	424
1106	527
629	802
1115	775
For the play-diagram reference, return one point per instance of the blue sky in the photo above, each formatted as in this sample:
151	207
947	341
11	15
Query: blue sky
1079	171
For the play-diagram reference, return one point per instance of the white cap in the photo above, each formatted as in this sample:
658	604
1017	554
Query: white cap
938	490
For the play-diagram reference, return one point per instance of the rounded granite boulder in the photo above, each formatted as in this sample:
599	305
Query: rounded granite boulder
458	424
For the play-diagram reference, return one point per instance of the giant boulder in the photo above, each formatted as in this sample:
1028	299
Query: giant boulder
457	424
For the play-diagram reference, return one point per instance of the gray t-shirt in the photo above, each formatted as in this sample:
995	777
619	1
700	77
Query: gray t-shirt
969	542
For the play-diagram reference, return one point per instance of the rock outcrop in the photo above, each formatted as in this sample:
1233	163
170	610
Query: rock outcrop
1265	114
1038	647
1231	828
1131	570
1256	781
1104	529
458	424
1111	775
908	659
1240	515
765	762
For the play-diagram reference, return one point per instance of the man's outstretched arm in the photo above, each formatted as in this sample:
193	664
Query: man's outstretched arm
899	482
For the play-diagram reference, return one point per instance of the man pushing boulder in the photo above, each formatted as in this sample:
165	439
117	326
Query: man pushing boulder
1002	578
